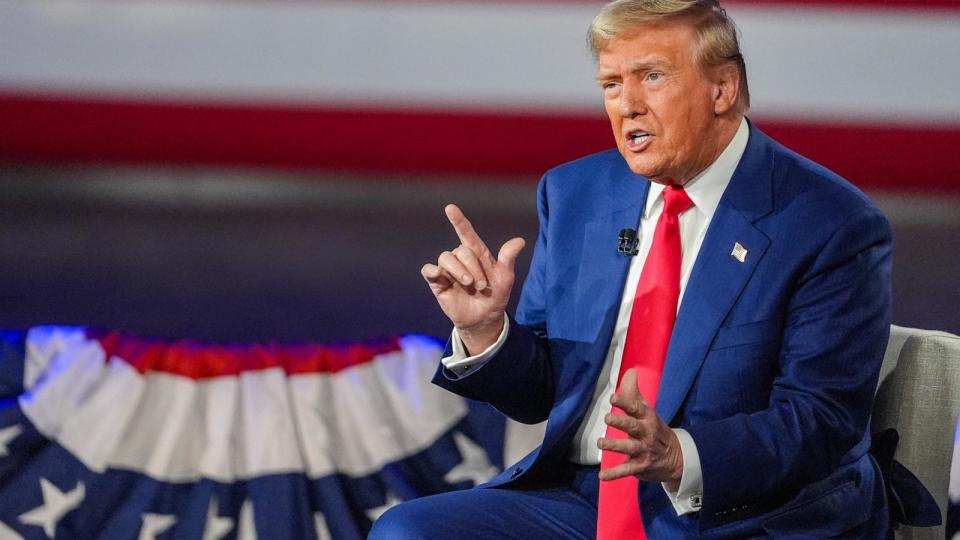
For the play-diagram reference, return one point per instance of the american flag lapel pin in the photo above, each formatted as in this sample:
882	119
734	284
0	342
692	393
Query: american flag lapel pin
739	252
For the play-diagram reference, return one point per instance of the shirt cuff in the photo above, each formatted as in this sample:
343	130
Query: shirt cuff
688	497
461	364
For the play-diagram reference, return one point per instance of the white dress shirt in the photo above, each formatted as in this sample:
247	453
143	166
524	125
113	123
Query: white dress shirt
705	191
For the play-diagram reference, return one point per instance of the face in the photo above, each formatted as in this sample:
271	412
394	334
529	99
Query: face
662	104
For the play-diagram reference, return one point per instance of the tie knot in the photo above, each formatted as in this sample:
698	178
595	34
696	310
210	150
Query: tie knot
675	200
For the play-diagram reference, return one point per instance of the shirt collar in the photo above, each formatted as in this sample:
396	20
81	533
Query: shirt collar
706	188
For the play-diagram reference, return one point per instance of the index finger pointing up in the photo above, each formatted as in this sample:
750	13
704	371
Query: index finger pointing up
463	227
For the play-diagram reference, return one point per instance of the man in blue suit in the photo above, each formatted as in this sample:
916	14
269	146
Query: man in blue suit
772	344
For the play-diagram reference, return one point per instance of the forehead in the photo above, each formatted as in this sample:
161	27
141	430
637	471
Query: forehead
673	43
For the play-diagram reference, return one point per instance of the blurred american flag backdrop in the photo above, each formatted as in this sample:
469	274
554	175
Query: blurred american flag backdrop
867	88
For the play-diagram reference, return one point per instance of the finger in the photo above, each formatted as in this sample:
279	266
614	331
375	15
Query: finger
509	252
472	263
630	468
628	397
436	277
449	262
628	385
627	447
627	424
464	229
633	407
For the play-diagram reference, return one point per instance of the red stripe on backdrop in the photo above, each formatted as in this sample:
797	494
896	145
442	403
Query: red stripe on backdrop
878	156
90	131
49	130
199	361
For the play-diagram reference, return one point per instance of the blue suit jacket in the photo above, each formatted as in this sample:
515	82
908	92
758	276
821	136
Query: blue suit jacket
773	361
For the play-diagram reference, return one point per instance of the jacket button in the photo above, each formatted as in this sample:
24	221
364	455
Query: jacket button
516	472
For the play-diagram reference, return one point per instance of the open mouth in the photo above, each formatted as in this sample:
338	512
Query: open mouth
637	137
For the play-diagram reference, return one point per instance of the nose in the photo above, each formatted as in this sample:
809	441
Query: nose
632	101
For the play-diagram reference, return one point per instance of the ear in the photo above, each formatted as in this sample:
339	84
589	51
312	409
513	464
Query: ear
726	88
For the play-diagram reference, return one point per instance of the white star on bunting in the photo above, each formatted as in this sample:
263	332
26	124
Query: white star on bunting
216	527
246	526
375	513
320	524
6	533
155	524
56	504
475	466
8	434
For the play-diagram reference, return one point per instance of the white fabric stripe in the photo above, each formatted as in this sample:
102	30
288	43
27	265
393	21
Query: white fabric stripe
173	428
223	452
166	437
62	369
100	423
390	409
43	343
852	64
809	62
339	51
269	438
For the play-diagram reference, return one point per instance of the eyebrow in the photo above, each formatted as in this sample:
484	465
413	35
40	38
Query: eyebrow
635	67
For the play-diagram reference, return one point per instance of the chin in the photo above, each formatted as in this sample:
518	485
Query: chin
644	170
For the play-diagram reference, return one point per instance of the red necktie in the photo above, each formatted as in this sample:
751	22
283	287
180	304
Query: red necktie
648	335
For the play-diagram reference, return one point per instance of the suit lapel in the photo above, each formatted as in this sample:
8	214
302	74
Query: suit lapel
603	271
715	284
601	275
718	276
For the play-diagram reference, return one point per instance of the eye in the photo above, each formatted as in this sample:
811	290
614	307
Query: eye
654	76
610	85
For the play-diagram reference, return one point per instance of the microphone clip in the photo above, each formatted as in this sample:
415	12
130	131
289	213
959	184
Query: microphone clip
628	243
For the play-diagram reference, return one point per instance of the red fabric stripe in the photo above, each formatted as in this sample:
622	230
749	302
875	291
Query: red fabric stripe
45	129
201	361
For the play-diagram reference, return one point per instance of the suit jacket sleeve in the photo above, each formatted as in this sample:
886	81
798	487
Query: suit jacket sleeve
519	379
835	331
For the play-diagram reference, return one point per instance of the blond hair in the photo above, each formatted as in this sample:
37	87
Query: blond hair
717	43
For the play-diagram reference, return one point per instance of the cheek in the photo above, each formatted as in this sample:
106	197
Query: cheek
616	123
611	109
686	126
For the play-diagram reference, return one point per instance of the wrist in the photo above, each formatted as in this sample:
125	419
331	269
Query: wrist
479	337
677	464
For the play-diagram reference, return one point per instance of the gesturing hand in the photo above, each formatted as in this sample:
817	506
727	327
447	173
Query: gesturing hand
471	286
651	448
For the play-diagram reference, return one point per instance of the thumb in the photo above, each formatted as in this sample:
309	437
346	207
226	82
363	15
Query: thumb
509	251
629	389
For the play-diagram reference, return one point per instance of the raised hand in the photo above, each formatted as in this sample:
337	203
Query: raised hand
471	286
651	447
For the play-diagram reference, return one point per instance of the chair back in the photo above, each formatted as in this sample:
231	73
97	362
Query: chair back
919	396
